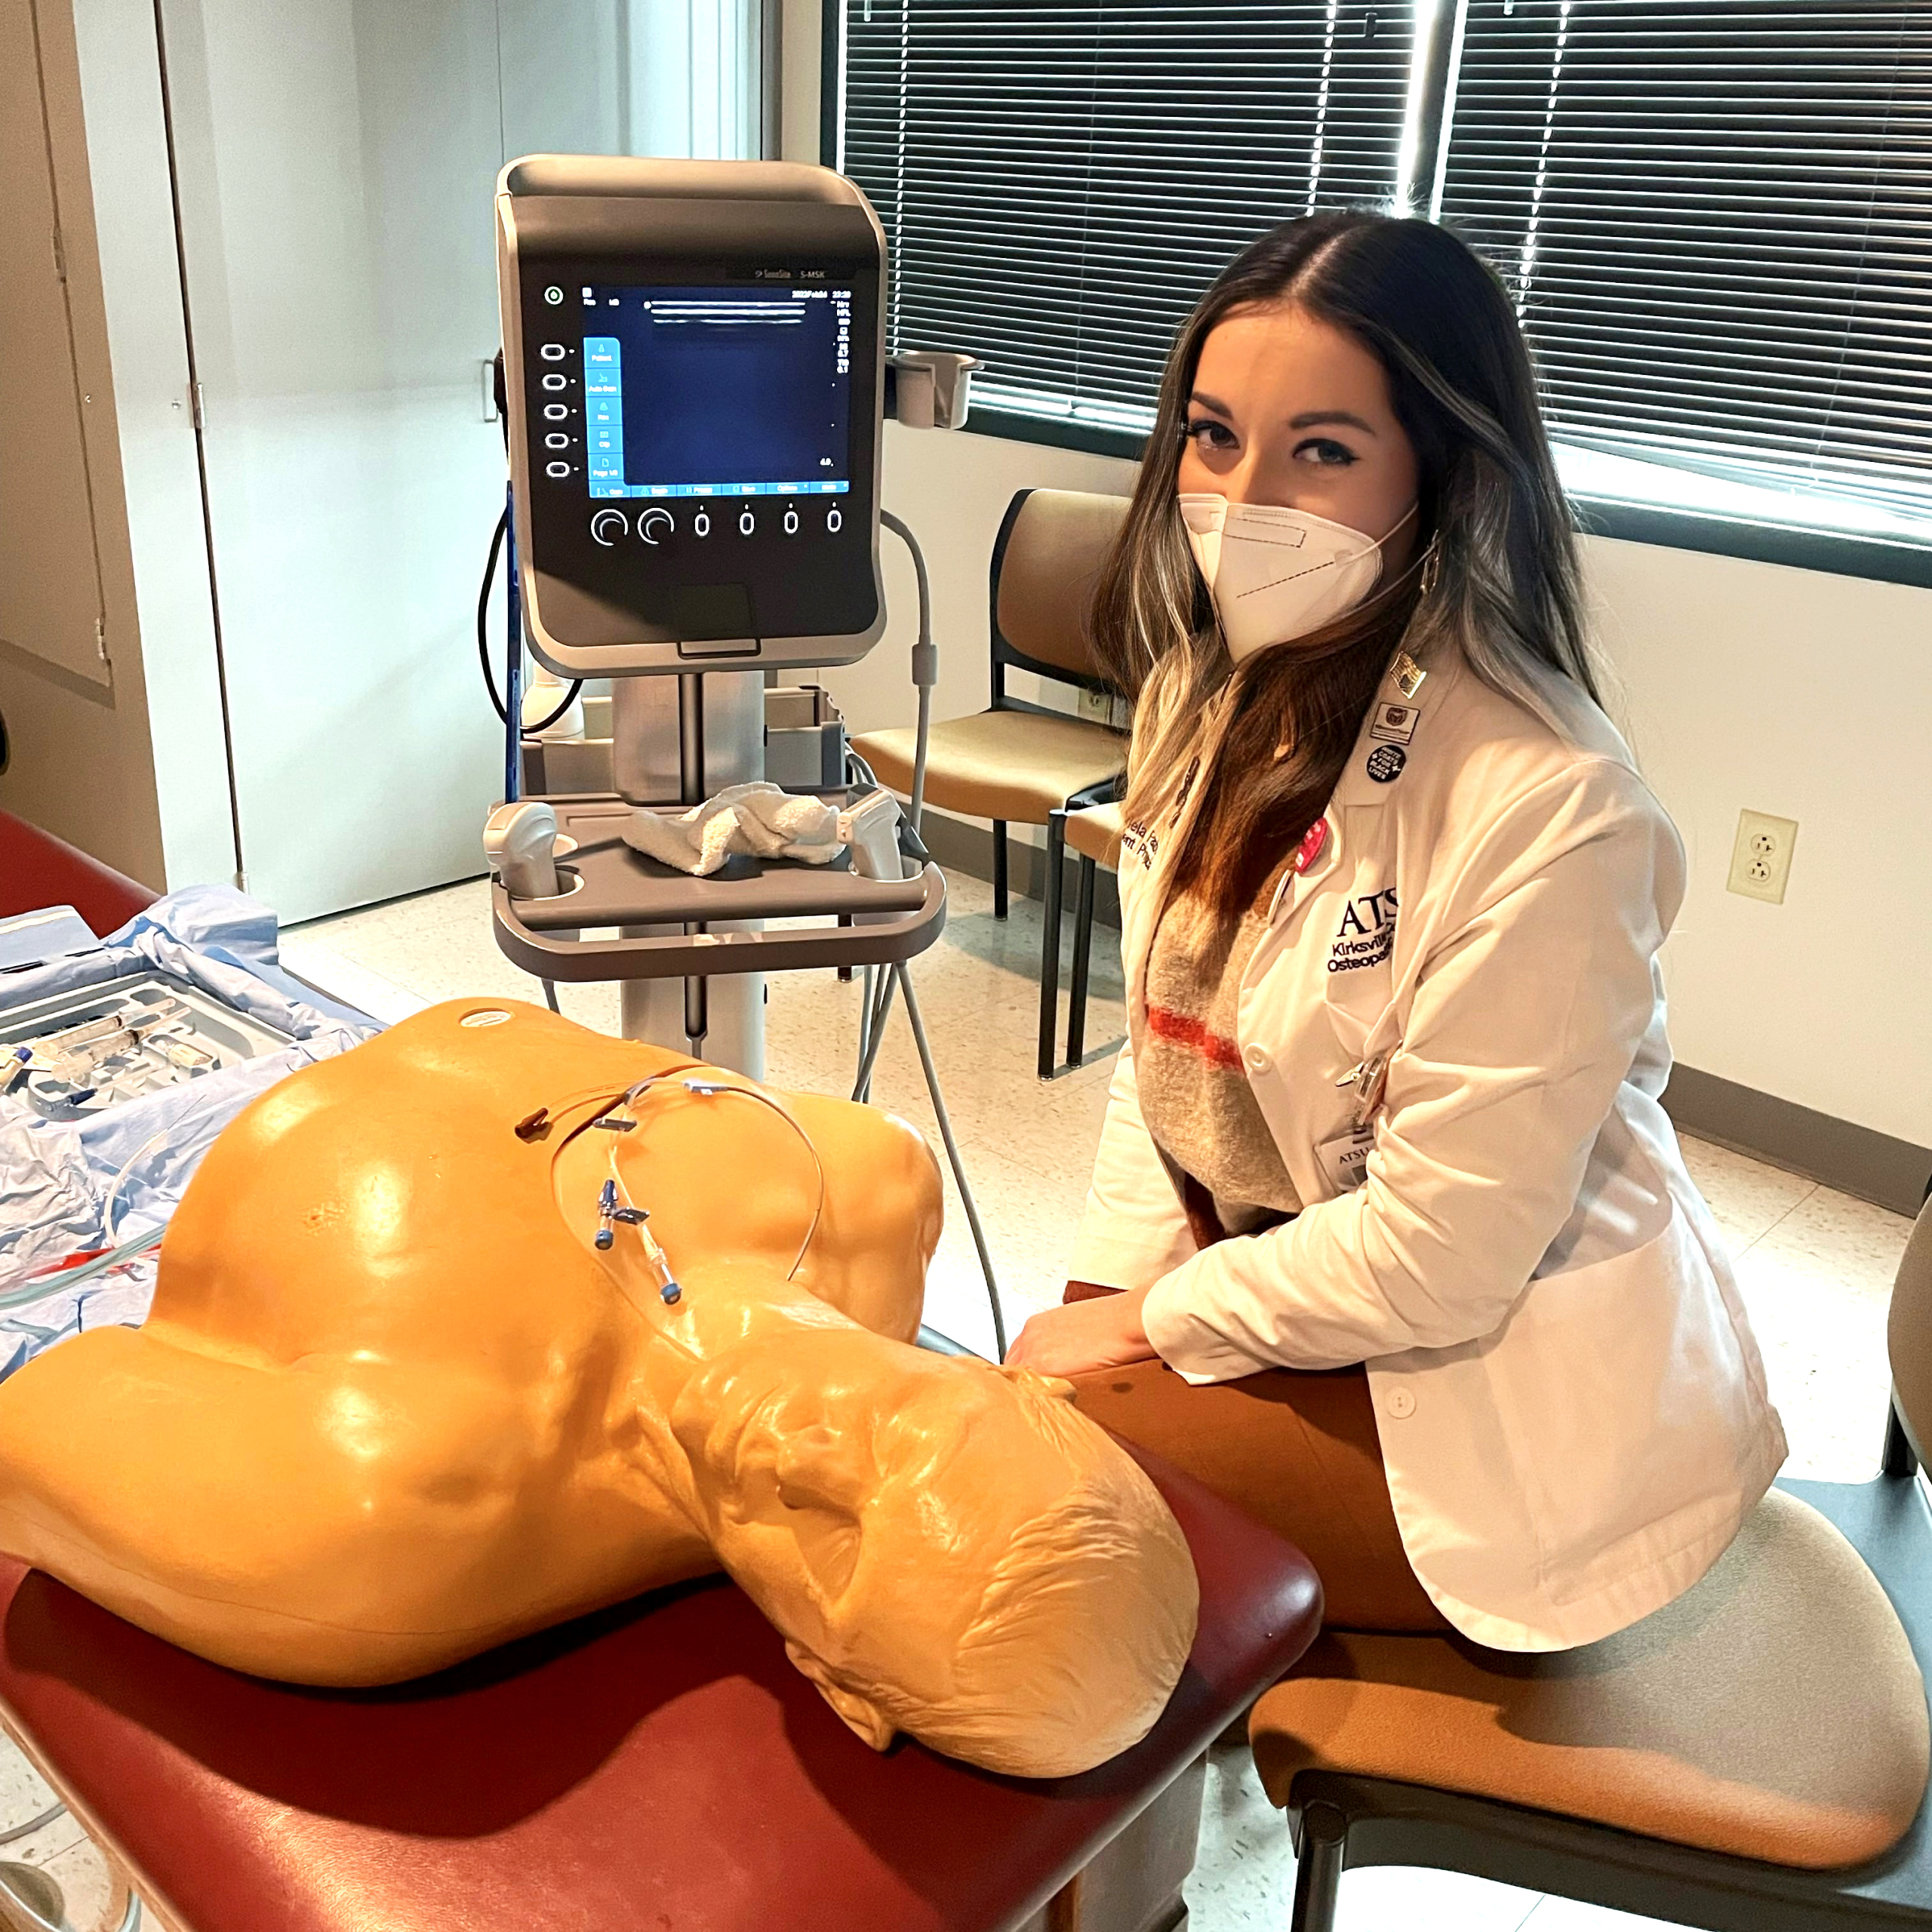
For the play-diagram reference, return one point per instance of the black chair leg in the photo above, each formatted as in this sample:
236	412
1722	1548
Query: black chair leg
1897	1459
1325	1838
999	869
1083	951
1050	943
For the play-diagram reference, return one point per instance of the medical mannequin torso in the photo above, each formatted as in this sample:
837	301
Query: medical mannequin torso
394	1405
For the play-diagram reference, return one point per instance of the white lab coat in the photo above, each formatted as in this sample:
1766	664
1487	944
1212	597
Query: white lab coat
1572	1407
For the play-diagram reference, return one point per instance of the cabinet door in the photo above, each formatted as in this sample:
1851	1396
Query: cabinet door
335	161
50	575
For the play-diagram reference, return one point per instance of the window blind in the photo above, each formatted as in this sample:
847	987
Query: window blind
1060	183
1717	217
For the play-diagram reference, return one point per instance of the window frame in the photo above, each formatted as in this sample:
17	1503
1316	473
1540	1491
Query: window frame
1841	553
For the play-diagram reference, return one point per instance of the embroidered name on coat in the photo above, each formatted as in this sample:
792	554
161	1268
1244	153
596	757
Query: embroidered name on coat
1367	935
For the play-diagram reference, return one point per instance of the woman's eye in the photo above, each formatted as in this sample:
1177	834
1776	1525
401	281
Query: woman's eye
1325	451
1211	435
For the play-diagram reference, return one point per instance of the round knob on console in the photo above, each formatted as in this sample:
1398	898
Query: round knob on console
655	525
607	526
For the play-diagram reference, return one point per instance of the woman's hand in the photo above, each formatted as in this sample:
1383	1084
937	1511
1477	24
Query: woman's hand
1103	1333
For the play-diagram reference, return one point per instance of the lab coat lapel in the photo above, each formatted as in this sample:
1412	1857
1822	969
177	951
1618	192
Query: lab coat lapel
1369	781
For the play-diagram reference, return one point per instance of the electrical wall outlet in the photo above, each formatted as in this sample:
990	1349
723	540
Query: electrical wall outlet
1760	860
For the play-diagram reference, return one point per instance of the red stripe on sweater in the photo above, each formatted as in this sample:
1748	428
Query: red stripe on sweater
1179	1029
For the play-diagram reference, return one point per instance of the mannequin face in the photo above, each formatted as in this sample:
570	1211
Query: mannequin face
827	1457
393	1406
1289	411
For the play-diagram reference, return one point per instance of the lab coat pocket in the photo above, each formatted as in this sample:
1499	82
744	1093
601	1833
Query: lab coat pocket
1358	994
1627	1403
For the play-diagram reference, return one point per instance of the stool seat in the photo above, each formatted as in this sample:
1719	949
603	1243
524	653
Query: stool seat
1016	766
660	1764
1774	1712
1095	833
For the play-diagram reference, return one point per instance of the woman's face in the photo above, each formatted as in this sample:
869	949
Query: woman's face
1286	410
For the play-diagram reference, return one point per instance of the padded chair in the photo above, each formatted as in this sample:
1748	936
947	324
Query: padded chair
1018	762
1094	836
660	1764
1750	1758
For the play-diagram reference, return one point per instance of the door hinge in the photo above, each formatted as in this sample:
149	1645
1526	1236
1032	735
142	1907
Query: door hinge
100	637
59	256
195	404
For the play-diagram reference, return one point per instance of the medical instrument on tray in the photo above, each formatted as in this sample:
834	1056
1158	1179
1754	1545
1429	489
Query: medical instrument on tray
695	384
73	1055
520	841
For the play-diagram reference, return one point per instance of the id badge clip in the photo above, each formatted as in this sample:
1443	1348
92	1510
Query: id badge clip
1345	1159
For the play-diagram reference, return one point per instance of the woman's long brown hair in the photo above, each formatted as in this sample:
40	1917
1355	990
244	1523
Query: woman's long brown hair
1494	542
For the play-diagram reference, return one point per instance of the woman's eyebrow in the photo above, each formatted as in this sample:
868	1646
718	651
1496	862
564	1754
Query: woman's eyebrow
1207	401
1309	418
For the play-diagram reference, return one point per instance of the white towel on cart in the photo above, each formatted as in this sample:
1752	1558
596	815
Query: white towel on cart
758	819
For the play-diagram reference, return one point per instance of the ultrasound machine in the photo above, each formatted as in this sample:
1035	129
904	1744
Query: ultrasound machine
694	383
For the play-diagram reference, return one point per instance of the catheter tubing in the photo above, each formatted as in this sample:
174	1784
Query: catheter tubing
966	1199
513	653
925	665
925	675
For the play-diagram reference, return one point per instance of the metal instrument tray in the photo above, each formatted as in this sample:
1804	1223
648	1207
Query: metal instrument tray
153	1030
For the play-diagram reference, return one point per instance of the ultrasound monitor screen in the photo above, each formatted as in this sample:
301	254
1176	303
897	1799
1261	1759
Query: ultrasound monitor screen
717	392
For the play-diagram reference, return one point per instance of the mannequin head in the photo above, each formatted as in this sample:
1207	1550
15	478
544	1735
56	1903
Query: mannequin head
946	1546
394	1405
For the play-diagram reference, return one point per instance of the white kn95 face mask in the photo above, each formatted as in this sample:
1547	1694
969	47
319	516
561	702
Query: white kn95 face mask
1277	573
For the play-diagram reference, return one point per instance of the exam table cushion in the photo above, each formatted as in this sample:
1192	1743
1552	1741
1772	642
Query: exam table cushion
37	869
1774	1711
1015	765
661	1763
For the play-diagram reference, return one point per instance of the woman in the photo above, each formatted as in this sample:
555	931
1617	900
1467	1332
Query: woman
1384	1175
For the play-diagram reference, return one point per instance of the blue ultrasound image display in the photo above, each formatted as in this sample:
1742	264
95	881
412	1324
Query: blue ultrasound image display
717	392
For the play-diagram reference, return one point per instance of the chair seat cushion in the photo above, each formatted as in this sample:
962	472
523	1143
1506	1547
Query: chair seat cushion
1095	834
1773	1711
659	1764
1016	765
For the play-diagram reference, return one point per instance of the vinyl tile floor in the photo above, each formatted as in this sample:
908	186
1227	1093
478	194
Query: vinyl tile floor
1816	1268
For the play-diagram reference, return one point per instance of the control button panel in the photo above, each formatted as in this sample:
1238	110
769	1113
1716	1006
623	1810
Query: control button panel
557	405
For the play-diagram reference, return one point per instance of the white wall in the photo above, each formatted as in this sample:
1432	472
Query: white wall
1789	691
